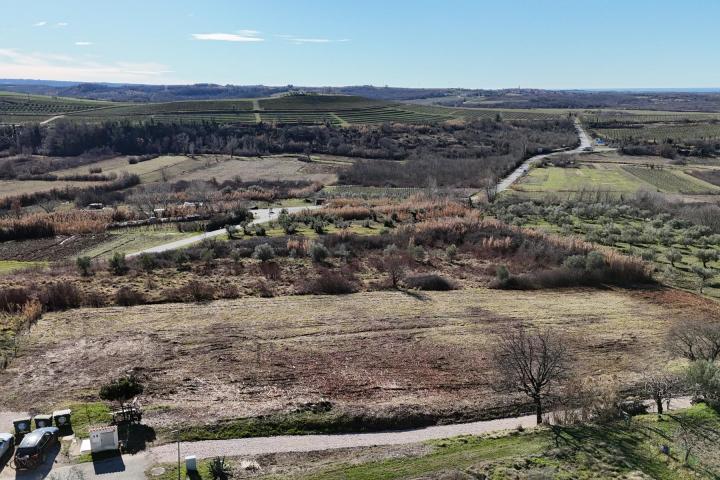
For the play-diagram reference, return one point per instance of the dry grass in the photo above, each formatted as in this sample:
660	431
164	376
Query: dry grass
372	351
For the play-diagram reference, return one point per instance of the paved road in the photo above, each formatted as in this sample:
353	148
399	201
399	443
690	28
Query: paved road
262	215
505	183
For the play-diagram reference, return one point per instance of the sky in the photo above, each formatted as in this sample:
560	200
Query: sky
553	44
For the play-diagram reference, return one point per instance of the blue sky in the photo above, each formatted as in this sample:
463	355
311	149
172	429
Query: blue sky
422	43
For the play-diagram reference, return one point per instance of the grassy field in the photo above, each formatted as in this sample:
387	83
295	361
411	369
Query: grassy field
149	170
279	167
8	266
662	133
251	356
134	240
672	180
10	188
613	173
586	177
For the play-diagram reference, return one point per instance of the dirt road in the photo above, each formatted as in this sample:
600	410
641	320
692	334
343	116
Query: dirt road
51	119
262	215
506	182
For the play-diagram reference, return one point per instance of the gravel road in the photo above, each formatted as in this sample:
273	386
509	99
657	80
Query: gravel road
505	183
262	215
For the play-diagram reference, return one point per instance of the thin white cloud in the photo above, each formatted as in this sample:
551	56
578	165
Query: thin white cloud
83	44
40	24
61	24
247	36
304	40
311	40
16	64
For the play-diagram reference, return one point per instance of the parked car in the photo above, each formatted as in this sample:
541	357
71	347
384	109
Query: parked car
7	444
33	449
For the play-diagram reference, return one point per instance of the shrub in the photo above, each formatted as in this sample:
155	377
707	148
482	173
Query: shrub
148	262
117	264
84	264
260	230
451	253
706	256
264	252
594	261
318	252
318	225
218	469
328	282
127	297
122	389
429	282
199	291
61	296
13	299
673	256
237	217
575	262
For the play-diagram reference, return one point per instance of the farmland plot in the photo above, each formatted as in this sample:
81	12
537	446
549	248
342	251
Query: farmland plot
672	180
258	355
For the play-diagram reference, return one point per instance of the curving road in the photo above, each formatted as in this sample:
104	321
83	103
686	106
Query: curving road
505	183
262	215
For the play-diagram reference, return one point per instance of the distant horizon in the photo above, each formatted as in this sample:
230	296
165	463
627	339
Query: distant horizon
51	82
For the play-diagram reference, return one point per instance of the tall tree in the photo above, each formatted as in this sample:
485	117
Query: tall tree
531	363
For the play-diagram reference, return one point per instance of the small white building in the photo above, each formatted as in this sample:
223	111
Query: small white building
103	439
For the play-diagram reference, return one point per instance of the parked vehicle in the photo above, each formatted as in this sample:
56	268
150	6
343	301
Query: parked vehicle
7	445
33	449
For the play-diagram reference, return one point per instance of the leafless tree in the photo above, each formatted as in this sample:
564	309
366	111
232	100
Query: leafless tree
661	387
696	340
531	363
394	262
491	189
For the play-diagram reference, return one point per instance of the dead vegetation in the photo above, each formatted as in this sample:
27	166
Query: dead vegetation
426	354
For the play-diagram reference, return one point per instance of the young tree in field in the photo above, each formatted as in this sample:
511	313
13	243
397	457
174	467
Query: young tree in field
84	264
661	387
117	264
531	364
264	252
706	256
673	256
704	276
696	341
122	389
394	262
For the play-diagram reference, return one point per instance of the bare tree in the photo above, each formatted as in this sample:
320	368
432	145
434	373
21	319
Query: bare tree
661	387
394	262
696	340
532	364
491	189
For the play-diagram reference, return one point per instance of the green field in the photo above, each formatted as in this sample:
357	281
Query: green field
338	110
662	133
9	266
611	177
586	177
672	180
368	192
135	239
